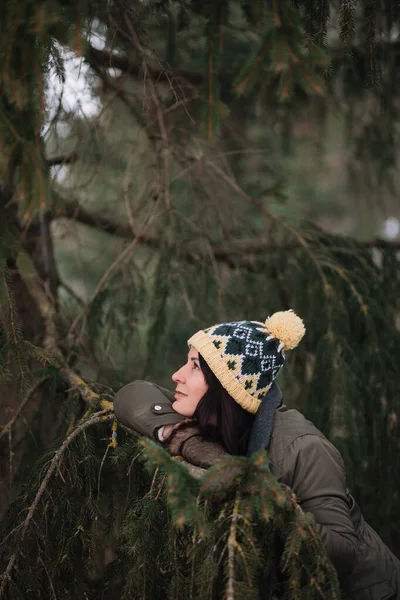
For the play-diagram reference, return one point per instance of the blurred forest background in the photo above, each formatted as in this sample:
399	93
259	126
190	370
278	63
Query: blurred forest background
168	165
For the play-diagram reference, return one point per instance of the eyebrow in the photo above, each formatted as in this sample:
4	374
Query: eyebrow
194	358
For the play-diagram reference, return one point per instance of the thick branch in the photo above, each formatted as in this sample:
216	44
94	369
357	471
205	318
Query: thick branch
73	210
229	253
48	312
62	159
108	60
353	55
231	257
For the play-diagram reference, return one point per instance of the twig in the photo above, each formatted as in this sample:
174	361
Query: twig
108	59
33	388
232	543
11	458
113	267
72	293
51	585
300	239
163	151
314	538
194	470
98	417
100	469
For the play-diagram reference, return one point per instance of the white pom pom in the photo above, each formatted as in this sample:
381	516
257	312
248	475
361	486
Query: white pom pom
287	327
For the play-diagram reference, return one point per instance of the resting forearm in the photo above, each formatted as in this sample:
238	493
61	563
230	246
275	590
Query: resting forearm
339	547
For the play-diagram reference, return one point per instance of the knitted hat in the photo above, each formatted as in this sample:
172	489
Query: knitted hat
246	356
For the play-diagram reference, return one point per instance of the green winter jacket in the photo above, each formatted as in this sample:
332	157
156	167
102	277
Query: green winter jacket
302	458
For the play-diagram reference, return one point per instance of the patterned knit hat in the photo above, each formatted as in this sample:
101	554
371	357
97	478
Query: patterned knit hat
246	356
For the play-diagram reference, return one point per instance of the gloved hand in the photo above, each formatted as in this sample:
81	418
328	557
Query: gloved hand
186	441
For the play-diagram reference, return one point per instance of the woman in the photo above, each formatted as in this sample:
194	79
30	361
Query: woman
226	401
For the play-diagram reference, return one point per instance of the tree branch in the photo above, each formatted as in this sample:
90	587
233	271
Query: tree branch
62	159
28	396
194	470
48	312
74	211
108	59
235	253
99	417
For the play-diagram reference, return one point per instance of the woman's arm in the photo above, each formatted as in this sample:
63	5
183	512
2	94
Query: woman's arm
185	440
144	407
147	407
314	470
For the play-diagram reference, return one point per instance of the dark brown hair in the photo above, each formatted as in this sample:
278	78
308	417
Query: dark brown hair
220	418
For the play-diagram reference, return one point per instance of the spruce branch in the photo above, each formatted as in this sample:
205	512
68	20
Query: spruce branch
194	470
353	53
162	148
99	417
313	542
74	211
12	327
232	546
118	262
281	223
163	151
47	309
108	59
28	396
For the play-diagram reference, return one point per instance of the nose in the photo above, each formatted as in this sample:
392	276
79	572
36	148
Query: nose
178	376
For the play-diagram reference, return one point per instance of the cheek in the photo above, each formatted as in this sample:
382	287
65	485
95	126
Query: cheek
185	406
196	387
199	386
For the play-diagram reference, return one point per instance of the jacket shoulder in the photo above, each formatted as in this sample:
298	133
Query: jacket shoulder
289	425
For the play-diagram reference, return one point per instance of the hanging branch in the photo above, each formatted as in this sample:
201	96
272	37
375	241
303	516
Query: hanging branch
194	470
49	315
74	211
99	417
108	59
232	546
28	396
314	541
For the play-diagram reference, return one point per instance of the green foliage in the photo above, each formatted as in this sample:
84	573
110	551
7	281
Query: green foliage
169	534
16	353
283	55
30	33
229	527
194	232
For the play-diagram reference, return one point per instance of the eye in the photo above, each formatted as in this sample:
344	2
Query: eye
196	366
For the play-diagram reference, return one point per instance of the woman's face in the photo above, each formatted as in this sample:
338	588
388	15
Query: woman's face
190	385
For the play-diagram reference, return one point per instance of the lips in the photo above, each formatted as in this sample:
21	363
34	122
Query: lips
179	394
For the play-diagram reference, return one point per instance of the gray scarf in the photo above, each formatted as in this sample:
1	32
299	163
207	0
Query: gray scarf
264	422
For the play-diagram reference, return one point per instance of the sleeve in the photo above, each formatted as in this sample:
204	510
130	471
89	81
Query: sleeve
186	441
314	470
144	407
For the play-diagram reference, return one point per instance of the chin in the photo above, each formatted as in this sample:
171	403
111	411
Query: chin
181	409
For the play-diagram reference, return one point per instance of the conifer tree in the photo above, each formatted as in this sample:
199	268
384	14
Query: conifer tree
91	511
